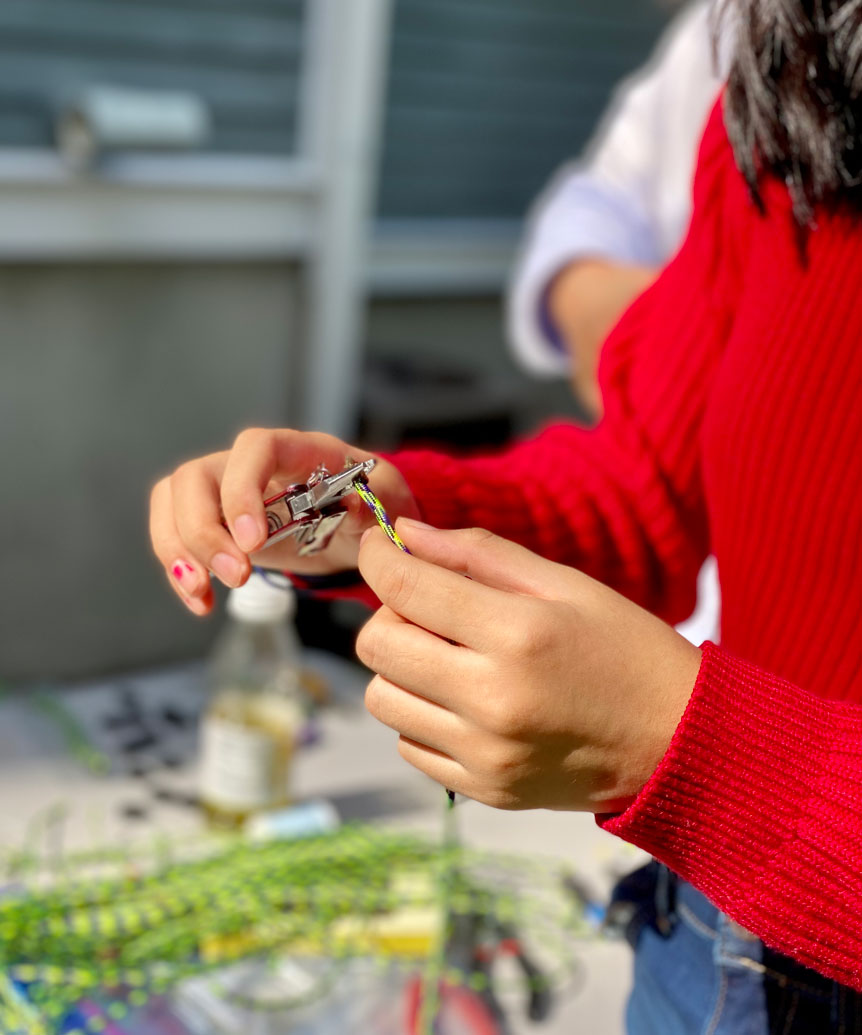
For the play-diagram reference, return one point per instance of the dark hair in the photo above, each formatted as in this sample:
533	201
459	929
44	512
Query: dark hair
792	105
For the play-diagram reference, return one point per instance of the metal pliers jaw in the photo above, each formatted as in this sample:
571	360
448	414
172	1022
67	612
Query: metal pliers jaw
312	511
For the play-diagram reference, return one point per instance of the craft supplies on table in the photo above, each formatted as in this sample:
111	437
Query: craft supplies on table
126	929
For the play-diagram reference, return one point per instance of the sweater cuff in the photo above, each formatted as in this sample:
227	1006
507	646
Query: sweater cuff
756	794
740	761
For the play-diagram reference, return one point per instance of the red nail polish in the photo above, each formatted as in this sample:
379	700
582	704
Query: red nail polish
188	566
177	571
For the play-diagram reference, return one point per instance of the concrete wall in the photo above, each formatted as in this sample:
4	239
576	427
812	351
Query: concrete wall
110	375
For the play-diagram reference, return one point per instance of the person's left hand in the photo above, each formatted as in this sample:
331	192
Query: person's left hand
526	685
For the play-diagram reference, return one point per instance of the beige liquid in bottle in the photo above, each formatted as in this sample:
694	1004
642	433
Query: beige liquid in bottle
249	731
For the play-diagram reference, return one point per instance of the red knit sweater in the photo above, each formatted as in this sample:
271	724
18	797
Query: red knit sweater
733	417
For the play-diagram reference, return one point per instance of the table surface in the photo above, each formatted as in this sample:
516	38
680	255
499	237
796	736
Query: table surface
354	764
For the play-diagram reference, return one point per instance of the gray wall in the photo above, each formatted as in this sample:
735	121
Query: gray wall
112	374
109	376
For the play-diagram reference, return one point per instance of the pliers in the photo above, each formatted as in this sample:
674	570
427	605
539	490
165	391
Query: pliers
313	510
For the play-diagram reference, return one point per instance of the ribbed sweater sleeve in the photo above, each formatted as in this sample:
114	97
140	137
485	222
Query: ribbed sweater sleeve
758	803
624	501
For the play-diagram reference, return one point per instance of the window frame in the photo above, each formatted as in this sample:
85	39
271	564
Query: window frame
205	204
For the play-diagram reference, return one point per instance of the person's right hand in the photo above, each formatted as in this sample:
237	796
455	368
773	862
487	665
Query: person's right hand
189	509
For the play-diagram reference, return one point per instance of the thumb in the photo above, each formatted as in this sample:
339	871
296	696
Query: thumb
489	559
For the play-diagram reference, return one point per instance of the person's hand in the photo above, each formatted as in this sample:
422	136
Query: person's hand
586	299
187	509
526	685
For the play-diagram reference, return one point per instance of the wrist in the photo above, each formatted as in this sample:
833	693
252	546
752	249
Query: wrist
673	690
664	698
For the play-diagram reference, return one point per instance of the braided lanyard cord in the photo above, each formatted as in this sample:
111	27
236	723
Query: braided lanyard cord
377	509
448	874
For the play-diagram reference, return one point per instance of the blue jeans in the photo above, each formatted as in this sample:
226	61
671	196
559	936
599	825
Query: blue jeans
696	972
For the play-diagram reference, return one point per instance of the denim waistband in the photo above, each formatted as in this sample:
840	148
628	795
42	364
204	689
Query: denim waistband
736	946
794	999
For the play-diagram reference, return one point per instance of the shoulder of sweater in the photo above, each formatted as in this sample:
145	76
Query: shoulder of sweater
715	159
722	200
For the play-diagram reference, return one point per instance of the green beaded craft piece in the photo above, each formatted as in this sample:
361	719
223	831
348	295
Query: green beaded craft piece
140	925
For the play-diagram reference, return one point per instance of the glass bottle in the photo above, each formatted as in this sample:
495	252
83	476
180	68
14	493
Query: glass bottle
250	729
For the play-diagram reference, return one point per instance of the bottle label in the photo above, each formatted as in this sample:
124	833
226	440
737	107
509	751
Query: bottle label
239	766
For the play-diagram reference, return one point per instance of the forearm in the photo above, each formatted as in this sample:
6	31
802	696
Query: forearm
577	220
591	499
585	300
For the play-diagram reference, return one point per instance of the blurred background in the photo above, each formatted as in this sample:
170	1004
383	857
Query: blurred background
216	214
223	213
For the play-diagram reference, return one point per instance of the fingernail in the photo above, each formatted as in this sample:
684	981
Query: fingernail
186	576
246	532
365	535
228	569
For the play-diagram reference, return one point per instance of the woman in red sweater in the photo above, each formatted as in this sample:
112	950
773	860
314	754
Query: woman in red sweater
732	421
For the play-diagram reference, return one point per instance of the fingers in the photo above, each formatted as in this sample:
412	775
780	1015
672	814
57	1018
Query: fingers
412	658
188	578
257	456
189	510
436	598
439	766
417	719
489	559
197	516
